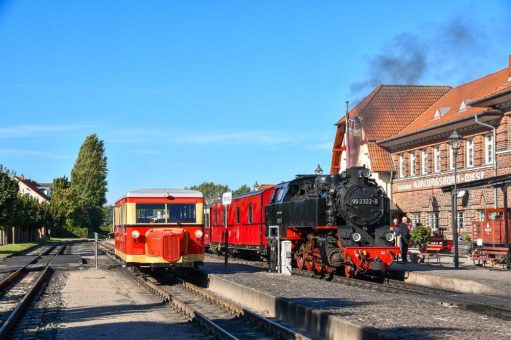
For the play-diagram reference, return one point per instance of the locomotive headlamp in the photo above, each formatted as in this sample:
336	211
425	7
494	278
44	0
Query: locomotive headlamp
135	234
389	237
356	237
198	233
364	172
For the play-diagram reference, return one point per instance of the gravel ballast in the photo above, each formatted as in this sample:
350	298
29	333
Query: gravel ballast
402	316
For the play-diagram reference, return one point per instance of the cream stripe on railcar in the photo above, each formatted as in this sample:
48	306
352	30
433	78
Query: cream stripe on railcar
158	259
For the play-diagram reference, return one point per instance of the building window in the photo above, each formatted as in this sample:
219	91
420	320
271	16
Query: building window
451	158
437	158
461	220
412	164
470	153
401	166
424	161
481	215
250	213
488	149
434	220
415	218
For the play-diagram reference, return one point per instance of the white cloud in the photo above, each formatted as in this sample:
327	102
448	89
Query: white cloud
31	130
203	138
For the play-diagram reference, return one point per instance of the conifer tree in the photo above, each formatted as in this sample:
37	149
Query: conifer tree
88	183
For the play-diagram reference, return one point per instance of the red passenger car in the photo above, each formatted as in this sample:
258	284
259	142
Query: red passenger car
246	223
160	227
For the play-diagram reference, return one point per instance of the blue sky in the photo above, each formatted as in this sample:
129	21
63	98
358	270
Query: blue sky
233	92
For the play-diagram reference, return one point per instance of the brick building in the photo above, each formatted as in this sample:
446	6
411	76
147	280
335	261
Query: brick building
413	129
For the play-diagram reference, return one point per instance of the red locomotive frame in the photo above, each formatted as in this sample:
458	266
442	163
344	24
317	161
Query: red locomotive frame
160	227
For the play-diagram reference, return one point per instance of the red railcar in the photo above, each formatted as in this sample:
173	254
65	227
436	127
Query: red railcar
489	233
246	223
160	227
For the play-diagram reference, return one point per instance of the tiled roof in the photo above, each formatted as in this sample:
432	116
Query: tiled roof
447	108
381	161
389	108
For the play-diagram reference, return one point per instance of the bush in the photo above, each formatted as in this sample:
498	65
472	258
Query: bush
466	237
70	231
420	235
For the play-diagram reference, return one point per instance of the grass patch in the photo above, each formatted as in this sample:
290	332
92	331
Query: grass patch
9	249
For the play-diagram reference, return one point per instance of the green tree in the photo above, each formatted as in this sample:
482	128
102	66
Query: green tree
88	184
61	201
8	195
210	190
242	190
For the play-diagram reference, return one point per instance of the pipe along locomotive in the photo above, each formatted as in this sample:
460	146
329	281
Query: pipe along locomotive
333	222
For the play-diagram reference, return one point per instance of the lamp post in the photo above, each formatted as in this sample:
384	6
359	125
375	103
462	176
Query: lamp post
455	141
256	186
318	170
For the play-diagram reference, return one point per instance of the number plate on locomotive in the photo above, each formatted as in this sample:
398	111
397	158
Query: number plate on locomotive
364	201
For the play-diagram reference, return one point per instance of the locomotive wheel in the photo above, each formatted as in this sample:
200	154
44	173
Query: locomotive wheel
300	261
309	265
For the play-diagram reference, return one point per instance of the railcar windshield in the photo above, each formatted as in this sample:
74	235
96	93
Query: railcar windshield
165	213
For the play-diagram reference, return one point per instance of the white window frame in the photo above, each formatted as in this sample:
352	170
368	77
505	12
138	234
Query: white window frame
488	149
401	166
461	220
412	163
424	162
451	158
437	159
434	220
469	148
482	215
415	218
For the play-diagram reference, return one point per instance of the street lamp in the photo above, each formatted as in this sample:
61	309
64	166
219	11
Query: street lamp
455	141
318	170
256	186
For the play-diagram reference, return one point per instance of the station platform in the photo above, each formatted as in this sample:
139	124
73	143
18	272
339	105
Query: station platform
466	279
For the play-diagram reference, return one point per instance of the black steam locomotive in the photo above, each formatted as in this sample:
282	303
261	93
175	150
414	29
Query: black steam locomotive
333	221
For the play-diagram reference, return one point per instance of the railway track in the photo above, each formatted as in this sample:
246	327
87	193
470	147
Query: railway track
18	289
217	316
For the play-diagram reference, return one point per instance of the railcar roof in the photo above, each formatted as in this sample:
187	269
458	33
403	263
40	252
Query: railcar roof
162	193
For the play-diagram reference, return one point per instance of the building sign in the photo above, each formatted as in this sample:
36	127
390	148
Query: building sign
436	182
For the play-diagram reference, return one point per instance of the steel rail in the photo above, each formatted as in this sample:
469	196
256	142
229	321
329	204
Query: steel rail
282	331
202	320
16	314
6	281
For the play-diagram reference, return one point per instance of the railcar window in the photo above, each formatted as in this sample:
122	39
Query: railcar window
250	213
150	213
216	216
237	214
181	213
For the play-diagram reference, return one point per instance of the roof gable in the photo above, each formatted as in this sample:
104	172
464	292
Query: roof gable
390	108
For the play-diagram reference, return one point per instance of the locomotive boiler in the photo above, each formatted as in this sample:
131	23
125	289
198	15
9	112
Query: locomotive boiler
333	221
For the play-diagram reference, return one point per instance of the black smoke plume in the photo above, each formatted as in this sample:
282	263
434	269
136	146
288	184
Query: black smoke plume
451	51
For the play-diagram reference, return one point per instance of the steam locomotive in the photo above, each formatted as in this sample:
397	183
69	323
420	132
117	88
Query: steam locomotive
333	221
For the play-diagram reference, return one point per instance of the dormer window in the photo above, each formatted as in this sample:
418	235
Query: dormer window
440	112
463	107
